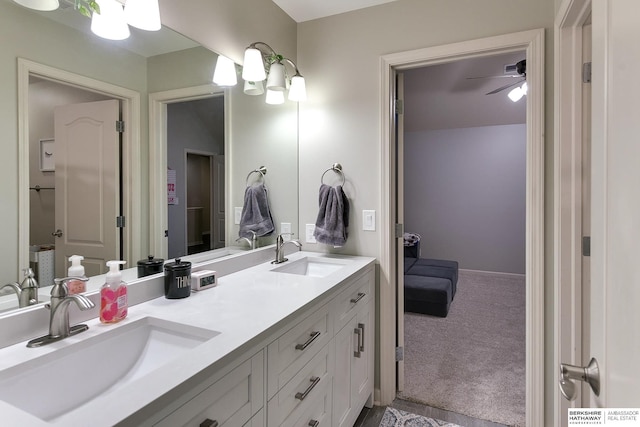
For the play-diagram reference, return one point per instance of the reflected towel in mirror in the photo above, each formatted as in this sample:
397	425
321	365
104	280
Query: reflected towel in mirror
333	216
256	215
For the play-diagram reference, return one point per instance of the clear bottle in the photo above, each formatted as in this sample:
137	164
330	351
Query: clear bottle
113	295
76	270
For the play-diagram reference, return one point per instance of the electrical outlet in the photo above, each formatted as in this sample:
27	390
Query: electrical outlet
310	229
369	220
237	214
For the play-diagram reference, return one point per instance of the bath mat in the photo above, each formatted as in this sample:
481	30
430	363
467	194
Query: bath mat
396	418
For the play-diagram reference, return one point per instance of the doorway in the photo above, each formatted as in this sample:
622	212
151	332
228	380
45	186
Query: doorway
391	275
34	73
463	188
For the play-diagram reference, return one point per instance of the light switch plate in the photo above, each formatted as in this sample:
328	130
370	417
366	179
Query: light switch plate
369	220
309	235
237	214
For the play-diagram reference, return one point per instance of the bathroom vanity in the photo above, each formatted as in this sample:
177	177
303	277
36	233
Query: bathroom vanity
276	345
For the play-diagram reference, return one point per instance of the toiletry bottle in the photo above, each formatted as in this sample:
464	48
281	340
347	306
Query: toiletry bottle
76	270
113	295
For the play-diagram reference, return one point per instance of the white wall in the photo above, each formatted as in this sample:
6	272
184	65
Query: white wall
465	195
340	58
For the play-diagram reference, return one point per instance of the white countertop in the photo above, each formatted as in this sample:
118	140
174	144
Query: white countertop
243	306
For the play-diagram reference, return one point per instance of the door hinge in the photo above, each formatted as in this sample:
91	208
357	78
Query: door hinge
399	231
586	72
399	106
399	354
120	222
119	126
586	245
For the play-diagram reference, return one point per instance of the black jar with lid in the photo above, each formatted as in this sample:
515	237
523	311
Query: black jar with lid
149	266
177	279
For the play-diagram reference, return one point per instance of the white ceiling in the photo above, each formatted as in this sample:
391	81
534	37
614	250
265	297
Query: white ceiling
306	10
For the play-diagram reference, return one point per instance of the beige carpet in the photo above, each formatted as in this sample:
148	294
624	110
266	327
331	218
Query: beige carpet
473	361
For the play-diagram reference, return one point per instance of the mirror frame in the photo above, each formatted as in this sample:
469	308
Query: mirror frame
130	101
158	101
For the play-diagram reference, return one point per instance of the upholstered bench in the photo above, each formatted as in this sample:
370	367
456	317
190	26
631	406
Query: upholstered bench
429	284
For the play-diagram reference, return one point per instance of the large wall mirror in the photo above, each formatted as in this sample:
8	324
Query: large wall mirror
167	73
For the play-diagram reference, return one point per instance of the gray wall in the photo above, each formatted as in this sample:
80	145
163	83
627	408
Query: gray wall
465	195
194	125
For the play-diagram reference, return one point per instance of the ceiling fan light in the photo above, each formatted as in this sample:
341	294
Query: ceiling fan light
110	23
44	5
143	14
253	68
515	94
225	72
525	88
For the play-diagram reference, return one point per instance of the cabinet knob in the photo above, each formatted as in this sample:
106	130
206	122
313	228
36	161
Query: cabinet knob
209	423
314	423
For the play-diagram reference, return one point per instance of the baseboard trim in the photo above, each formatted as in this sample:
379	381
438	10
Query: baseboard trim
493	272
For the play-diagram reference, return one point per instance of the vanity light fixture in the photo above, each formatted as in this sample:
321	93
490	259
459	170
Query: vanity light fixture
225	72
143	14
110	23
44	5
262	62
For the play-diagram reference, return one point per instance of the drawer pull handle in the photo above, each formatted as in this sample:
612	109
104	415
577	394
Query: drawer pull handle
358	298
361	326
209	423
312	338
314	382
314	423
358	332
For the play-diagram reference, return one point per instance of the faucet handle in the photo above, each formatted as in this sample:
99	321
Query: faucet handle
60	288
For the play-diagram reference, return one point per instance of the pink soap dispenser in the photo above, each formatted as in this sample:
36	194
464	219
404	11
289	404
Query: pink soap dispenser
113	295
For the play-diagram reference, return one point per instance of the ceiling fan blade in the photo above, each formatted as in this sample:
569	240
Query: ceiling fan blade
504	87
509	76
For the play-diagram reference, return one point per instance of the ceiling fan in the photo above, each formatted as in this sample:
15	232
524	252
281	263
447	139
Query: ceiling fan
519	67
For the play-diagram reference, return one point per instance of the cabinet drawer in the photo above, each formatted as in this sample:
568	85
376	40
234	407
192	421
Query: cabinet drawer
315	413
289	353
231	401
307	385
352	298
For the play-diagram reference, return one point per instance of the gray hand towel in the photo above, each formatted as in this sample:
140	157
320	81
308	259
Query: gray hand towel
333	216
256	215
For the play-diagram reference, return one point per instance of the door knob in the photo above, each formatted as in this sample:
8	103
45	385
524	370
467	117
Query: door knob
589	374
57	233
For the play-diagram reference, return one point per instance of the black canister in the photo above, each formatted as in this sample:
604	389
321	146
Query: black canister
147	267
177	279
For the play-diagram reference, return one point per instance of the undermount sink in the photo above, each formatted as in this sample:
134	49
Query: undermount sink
71	376
311	266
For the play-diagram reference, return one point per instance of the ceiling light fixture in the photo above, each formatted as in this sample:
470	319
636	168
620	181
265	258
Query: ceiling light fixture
143	14
518	92
261	63
110	23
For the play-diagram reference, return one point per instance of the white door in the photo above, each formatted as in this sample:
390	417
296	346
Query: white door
615	207
87	180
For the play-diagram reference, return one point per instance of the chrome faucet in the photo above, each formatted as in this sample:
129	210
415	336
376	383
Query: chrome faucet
253	243
59	318
27	292
280	242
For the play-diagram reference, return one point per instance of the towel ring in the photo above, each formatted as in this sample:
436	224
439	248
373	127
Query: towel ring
337	168
261	170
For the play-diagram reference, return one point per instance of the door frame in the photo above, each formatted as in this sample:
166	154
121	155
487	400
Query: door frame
532	42
130	104
567	176
158	223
